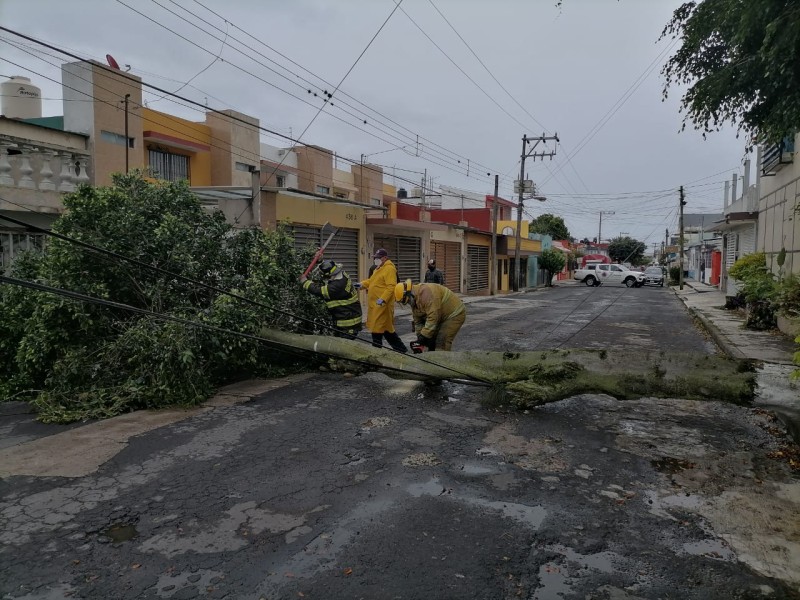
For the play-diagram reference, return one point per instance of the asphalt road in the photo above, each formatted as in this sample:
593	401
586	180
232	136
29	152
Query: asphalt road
367	487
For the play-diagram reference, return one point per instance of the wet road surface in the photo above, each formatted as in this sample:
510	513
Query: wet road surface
367	487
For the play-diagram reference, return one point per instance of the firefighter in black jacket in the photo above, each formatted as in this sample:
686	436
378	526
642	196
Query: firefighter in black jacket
340	296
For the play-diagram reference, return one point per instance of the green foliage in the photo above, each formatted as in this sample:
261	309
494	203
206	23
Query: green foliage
756	281
551	225
674	275
787	297
758	287
552	261
80	361
738	59
627	249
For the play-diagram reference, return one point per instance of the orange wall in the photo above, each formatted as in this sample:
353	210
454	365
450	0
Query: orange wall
198	133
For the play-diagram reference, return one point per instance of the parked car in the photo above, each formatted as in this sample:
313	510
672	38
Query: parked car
609	274
654	276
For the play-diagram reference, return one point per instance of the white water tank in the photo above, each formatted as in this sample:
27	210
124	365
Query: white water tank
20	99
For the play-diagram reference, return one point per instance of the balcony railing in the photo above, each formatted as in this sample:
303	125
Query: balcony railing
26	165
774	157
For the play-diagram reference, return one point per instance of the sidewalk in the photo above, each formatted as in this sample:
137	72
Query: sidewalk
707	303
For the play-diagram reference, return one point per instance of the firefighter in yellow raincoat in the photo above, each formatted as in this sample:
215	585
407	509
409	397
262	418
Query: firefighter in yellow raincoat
437	312
380	302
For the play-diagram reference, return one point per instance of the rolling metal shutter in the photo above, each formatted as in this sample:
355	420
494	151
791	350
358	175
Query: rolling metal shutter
448	259
343	249
404	252
477	268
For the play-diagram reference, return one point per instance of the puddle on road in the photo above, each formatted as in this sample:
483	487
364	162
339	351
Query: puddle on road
120	532
715	549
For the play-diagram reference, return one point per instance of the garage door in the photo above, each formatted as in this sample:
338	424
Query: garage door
448	260
405	252
343	249
477	268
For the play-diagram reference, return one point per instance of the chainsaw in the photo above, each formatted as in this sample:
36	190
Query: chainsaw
418	348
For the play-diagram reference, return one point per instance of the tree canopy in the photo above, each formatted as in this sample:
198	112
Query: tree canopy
77	360
551	225
739	59
627	249
552	261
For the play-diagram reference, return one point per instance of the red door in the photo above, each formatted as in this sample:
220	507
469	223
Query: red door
716	266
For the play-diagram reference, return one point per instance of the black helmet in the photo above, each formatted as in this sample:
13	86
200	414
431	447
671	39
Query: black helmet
328	268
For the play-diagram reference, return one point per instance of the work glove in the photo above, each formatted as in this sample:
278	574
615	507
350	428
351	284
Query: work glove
380	302
303	278
357	285
425	341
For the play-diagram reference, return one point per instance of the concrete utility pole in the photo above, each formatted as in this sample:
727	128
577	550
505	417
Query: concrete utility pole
127	139
680	241
522	189
600	228
493	247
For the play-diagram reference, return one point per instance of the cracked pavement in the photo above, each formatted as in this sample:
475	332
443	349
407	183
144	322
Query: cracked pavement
368	487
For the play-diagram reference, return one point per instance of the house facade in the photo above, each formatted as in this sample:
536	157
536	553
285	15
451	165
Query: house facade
778	205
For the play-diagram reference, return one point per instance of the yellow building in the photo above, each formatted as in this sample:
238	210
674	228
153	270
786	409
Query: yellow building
176	148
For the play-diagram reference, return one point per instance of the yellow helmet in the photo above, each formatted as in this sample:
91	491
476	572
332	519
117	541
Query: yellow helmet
401	289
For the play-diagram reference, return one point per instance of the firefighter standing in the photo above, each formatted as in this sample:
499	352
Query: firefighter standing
340	296
380	302
437	312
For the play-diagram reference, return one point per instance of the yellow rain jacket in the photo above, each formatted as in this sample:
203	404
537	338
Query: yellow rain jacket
434	305
381	285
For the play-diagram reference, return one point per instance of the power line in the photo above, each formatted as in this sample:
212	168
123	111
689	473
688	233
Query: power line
189	103
617	105
327	83
120	257
200	325
323	93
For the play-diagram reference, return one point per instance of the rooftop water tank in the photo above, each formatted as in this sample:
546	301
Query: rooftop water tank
20	99
402	194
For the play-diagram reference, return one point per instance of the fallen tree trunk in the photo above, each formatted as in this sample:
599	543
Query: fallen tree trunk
537	377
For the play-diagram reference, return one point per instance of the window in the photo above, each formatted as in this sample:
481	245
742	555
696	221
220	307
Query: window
244	167
280	181
376	202
115	138
168	166
321	189
615	268
507	231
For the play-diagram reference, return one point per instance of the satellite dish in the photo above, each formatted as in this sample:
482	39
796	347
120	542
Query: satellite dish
111	62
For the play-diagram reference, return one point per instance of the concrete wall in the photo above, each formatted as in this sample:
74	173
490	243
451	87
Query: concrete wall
315	168
778	221
235	138
85	81
369	181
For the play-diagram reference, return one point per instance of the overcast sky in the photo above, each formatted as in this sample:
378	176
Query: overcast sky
588	71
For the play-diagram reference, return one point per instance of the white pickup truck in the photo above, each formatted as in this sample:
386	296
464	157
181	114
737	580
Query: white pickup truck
597	274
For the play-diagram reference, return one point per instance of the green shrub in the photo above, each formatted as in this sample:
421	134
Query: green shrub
674	275
77	360
759	288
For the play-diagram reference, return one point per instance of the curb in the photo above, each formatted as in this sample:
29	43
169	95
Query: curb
729	349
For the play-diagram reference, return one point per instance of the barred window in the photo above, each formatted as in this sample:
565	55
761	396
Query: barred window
165	165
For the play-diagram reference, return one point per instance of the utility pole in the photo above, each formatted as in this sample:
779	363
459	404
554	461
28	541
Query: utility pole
422	193
127	139
600	228
680	241
493	247
525	186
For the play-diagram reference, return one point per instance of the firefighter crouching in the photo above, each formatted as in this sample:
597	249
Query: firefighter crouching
437	312
340	296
